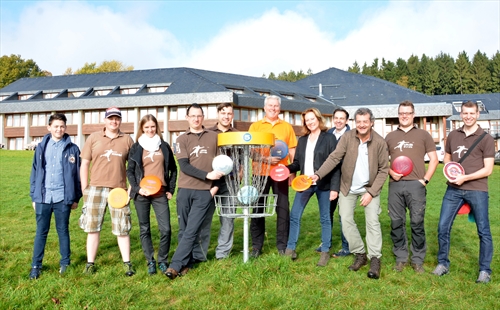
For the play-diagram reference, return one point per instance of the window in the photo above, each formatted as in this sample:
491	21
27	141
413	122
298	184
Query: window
94	117
3	97
236	90
391	124
160	116
71	118
298	119
236	115
253	115
16	143
75	94
16	120
23	97
212	112
128	91
49	95
157	89
494	128
244	115
145	111
263	93
102	92
287	96
128	115
173	113
311	99
432	127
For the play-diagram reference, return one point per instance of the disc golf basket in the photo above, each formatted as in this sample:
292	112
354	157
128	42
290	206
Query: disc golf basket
250	153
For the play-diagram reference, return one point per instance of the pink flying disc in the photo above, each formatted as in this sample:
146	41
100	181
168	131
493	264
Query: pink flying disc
453	169
279	173
402	165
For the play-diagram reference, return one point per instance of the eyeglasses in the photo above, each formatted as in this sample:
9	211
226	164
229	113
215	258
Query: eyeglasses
195	116
405	113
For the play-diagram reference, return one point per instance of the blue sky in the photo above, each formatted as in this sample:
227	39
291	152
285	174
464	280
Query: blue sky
244	37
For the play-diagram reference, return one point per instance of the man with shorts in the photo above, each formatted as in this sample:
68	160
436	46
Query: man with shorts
195	151
283	131
471	187
408	191
225	116
107	150
54	188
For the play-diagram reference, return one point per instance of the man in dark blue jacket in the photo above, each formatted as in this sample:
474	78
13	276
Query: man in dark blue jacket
54	188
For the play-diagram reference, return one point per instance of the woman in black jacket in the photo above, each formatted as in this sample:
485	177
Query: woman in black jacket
312	150
150	155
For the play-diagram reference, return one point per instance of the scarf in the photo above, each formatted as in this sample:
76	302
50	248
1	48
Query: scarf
150	144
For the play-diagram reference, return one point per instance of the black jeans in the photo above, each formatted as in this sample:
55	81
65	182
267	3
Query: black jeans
159	202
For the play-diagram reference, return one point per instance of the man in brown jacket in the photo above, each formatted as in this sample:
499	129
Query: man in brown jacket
363	174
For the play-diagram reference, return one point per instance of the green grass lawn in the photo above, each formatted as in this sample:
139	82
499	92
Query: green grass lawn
270	281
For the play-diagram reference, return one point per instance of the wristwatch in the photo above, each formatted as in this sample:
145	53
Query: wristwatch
426	181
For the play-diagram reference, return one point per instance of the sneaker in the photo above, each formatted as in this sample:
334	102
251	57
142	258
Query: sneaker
129	270
35	273
374	272
341	253
484	277
418	268
323	259
440	270
89	268
291	253
400	266
62	270
255	253
359	261
163	267
152	268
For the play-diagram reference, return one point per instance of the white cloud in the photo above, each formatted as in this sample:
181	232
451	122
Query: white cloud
58	35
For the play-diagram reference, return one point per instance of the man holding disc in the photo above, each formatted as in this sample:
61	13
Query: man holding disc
407	186
54	188
195	151
283	131
470	187
363	174
225	116
108	151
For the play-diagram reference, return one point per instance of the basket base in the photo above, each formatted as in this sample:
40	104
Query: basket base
232	207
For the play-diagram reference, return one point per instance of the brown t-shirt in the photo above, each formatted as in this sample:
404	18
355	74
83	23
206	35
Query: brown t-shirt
414	144
200	149
154	164
108	158
457	144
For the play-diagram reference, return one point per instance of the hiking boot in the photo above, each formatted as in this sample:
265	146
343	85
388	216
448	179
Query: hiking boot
163	267
129	270
323	259
341	253
419	268
255	253
484	277
359	261
171	273
89	268
152	268
291	253
440	270
184	271
374	272
400	266
281	252
35	273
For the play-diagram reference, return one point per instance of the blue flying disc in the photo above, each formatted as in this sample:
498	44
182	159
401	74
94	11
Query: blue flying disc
280	149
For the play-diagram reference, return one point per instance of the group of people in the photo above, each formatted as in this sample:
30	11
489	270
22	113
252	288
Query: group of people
345	166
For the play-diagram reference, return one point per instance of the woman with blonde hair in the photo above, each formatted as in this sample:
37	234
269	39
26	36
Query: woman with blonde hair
150	155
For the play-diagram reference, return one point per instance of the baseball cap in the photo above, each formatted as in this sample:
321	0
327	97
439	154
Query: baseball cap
113	111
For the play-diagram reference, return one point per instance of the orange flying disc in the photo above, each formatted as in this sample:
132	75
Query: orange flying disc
301	183
151	184
117	198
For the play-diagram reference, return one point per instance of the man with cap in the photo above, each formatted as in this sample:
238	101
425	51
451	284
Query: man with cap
108	151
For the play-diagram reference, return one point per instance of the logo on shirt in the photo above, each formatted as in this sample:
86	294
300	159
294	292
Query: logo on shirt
198	150
404	145
460	149
72	158
151	156
110	152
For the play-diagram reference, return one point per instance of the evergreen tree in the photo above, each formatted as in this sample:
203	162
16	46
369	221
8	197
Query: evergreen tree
480	75
401	73
413	80
355	68
461	74
445	64
388	71
494	68
428	76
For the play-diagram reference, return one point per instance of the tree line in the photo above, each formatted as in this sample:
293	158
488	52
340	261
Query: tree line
441	75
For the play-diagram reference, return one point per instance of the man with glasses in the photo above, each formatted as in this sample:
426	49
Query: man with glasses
195	151
471	187
408	191
363	173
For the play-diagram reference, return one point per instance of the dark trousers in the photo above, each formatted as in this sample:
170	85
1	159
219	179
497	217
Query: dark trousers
258	224
192	209
143	205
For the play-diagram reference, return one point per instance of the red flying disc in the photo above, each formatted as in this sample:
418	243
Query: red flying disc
117	198
453	169
465	209
301	183
402	165
279	173
151	184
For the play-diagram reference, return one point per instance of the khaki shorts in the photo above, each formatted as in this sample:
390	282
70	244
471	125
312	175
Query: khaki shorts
95	200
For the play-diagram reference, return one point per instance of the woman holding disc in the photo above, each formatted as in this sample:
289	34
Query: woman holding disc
312	150
150	159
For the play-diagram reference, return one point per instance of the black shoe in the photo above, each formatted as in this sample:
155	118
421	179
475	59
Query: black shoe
35	273
129	270
62	270
255	253
171	273
163	267
152	268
